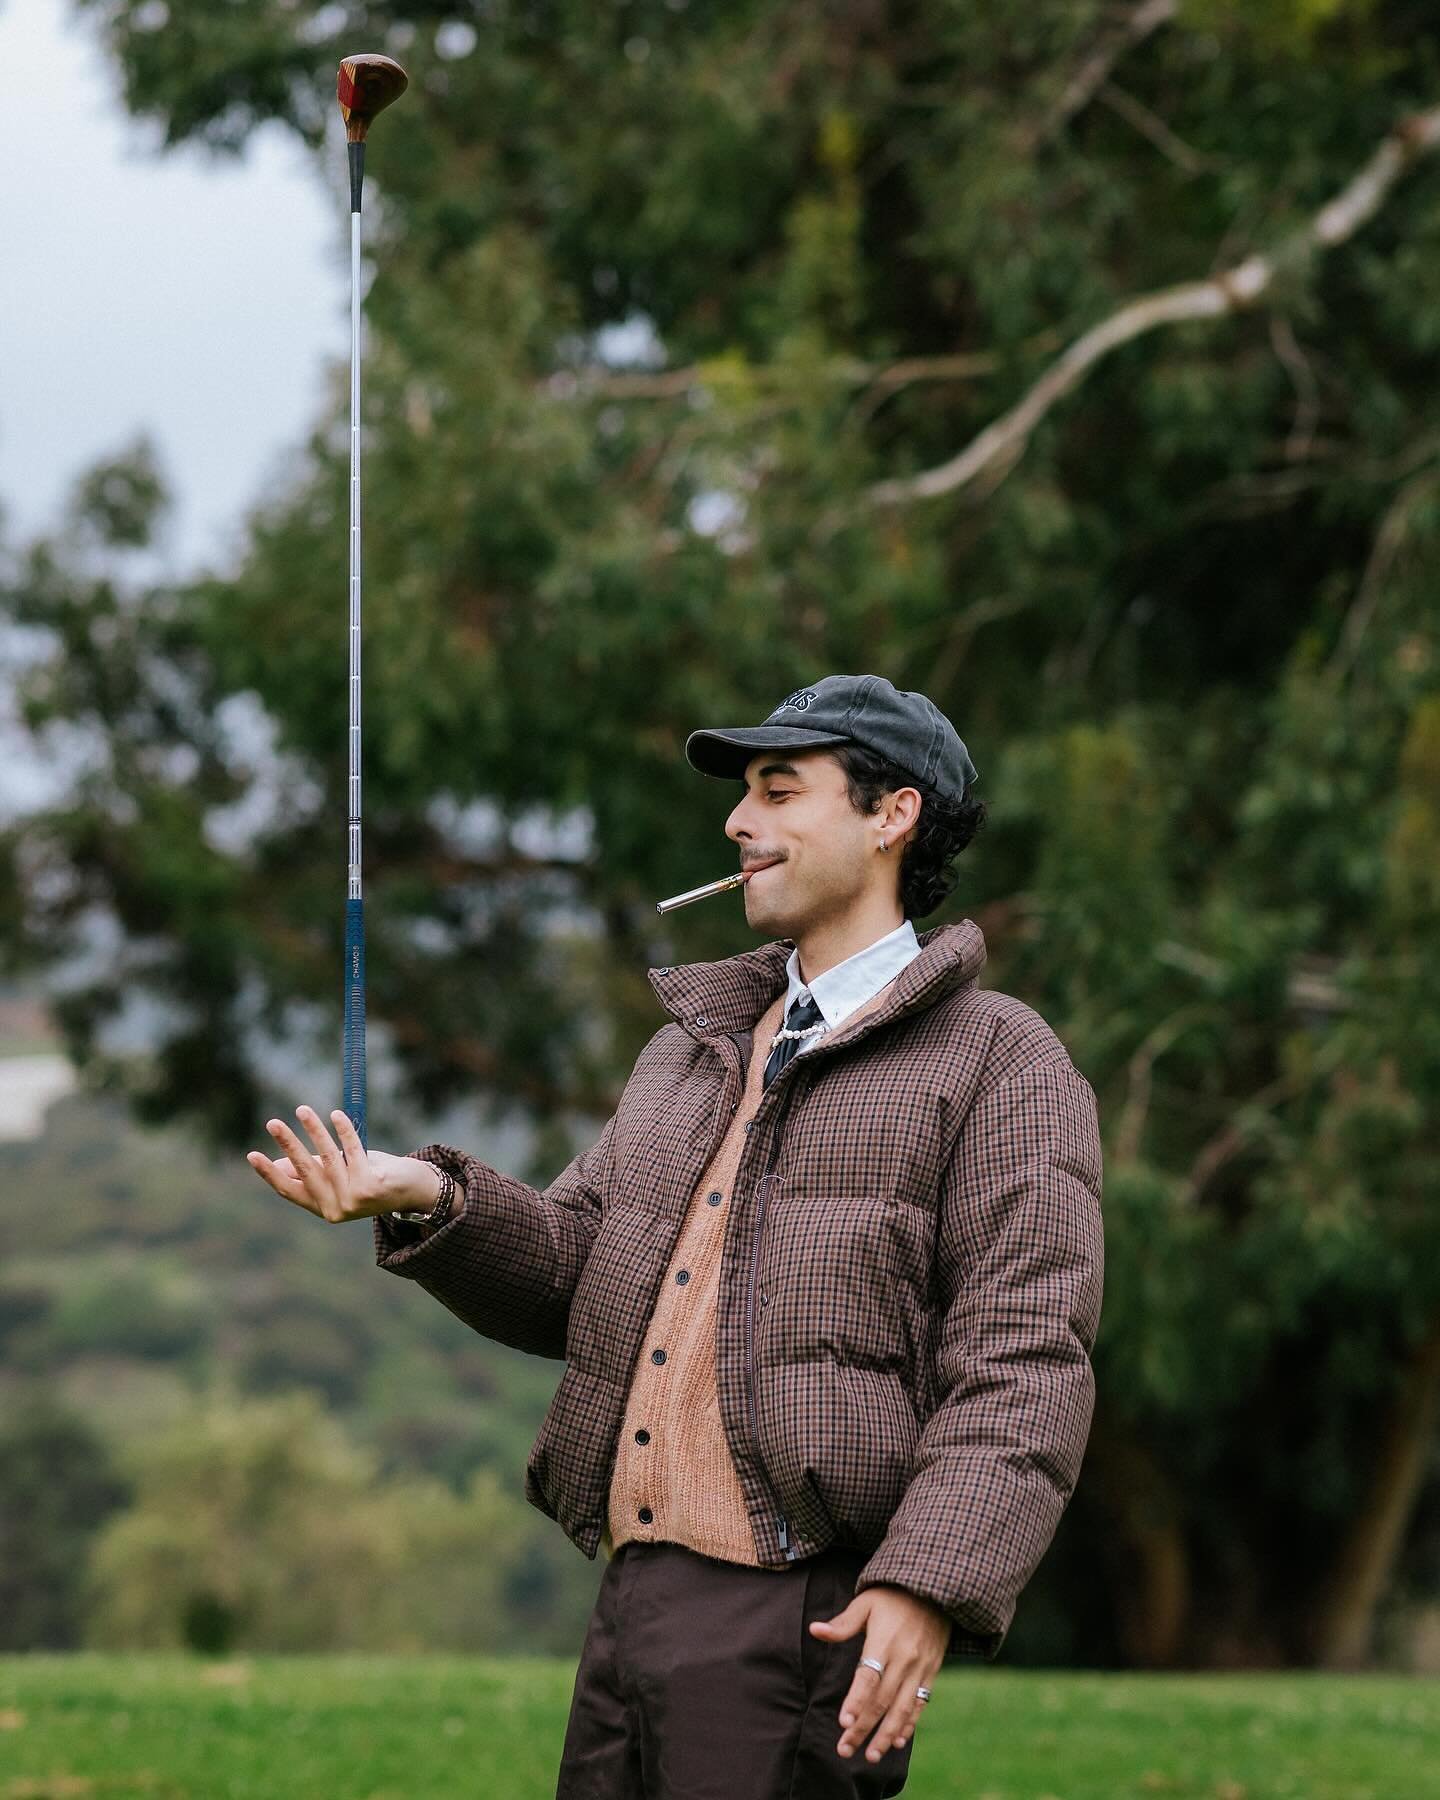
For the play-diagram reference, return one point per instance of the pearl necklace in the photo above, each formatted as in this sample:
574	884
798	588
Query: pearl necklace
809	1031
805	1032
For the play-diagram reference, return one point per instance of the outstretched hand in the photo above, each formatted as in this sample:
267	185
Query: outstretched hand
346	1181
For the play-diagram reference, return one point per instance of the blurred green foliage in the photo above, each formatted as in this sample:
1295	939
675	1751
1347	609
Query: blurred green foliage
260	1524
149	1300
59	1485
1188	629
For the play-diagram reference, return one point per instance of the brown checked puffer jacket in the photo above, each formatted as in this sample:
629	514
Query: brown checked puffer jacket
918	1201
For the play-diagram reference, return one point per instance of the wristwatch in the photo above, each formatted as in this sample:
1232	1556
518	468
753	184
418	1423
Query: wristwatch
437	1213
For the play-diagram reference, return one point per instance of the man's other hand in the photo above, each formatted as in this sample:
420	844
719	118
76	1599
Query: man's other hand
906	1633
343	1183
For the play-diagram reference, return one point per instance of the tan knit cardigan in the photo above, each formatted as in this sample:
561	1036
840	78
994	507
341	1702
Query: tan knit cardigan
672	1460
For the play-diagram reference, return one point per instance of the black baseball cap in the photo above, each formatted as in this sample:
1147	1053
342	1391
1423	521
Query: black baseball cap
862	709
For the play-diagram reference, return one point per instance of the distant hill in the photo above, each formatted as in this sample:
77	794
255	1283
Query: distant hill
134	1271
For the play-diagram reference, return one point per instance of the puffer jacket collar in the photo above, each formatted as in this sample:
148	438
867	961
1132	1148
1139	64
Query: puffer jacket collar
717	999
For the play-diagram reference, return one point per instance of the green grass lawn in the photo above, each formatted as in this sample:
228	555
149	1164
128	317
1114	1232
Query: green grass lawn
455	1728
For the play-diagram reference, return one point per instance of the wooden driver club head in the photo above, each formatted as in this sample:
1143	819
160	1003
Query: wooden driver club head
365	86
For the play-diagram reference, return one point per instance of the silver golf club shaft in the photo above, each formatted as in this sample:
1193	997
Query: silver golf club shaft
365	85
354	889
353	1048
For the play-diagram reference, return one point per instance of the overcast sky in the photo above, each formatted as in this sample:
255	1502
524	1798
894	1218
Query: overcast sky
192	295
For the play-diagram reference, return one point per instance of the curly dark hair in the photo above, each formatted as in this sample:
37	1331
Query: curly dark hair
944	828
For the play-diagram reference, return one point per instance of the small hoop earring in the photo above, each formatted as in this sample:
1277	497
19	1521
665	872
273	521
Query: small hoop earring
883	844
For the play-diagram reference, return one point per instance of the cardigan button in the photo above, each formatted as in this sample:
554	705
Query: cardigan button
657	1356
682	1277
642	1436
713	1199
646	1515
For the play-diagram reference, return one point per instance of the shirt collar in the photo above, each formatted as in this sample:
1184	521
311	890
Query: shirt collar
851	983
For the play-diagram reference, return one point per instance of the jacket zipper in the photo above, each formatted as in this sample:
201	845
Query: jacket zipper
782	1524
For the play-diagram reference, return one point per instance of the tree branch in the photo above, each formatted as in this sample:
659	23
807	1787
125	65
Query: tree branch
1389	542
1307	389
671	384
1130	1131
1097	68
1234	1137
1150	125
1004	440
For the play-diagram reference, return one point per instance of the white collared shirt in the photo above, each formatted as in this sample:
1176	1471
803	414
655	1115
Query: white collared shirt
850	983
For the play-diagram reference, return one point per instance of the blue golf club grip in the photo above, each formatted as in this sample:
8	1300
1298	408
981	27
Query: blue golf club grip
354	1047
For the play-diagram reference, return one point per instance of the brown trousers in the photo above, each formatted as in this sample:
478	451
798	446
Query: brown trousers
700	1680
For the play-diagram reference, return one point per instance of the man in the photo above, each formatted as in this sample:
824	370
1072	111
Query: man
826	1287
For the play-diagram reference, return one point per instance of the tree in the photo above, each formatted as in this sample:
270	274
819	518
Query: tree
891	265
58	1487
259	1525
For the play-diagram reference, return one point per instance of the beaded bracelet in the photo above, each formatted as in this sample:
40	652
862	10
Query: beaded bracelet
437	1213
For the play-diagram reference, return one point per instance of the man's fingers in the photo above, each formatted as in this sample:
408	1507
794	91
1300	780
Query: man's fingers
896	1723
315	1125
349	1139
311	1172
328	1181
863	1684
863	1705
298	1153
281	1179
324	1173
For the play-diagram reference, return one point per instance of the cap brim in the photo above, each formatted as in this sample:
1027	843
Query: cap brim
726	753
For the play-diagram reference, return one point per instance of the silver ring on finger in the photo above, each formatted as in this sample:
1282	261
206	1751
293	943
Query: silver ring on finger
922	1694
871	1662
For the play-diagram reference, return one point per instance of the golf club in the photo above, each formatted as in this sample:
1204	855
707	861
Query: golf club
365	86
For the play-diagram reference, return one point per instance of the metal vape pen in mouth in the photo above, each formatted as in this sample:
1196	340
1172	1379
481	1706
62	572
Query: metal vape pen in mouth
722	886
701	893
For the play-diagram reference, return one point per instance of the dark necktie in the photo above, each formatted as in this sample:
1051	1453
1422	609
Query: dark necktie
802	1013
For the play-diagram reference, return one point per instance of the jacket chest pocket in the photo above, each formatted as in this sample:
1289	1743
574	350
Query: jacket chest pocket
842	1275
